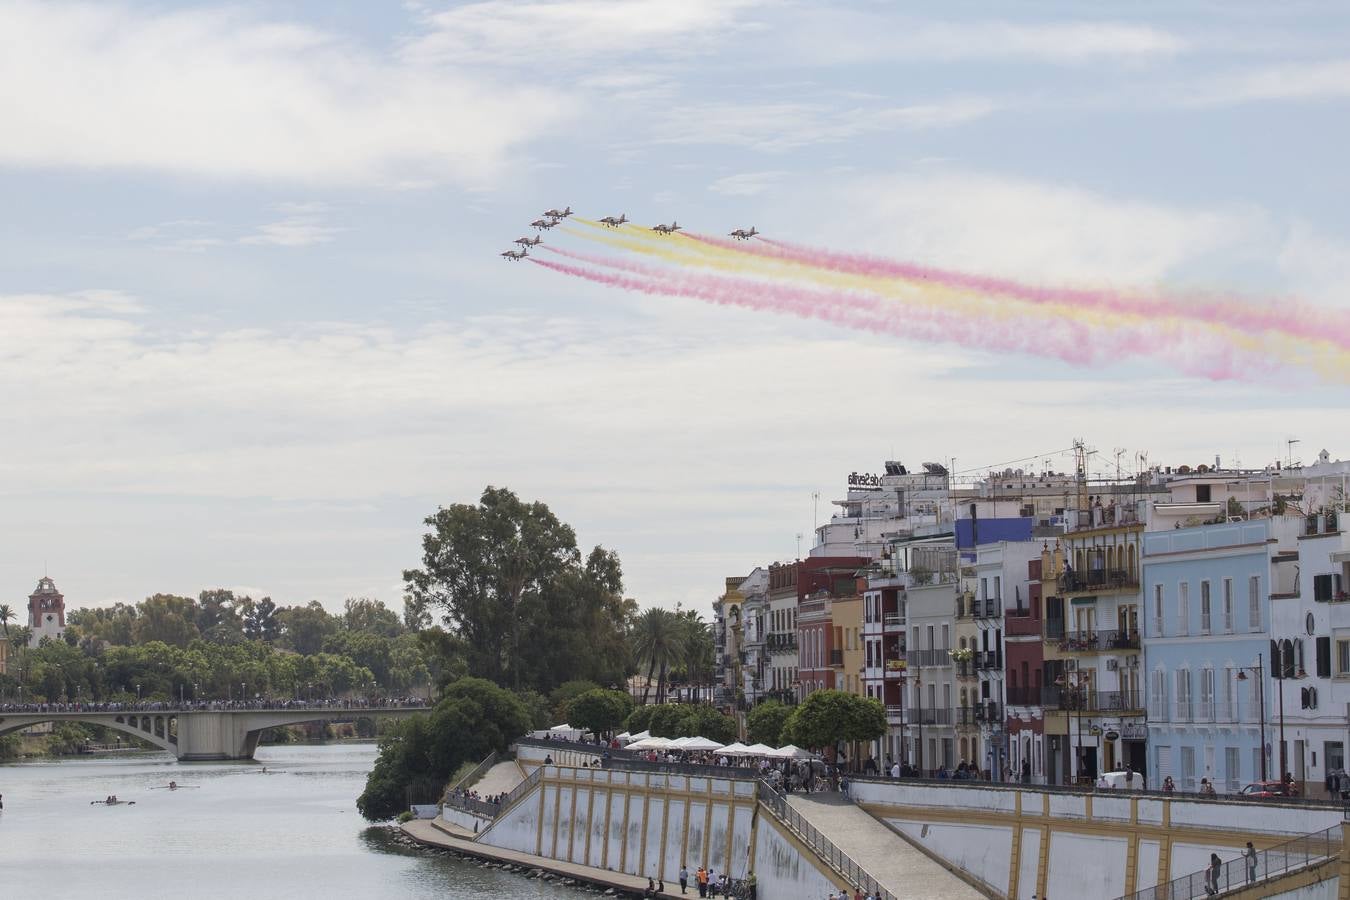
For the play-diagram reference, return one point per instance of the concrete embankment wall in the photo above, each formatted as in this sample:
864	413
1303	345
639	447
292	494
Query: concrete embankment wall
649	824
1027	842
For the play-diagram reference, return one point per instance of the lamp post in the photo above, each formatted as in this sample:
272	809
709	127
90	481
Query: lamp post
1280	673
1076	682
138	693
1260	671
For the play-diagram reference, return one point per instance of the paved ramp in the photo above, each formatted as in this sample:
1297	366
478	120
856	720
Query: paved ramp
890	859
500	779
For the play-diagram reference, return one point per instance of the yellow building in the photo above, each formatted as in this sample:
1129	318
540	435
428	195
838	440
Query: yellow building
846	616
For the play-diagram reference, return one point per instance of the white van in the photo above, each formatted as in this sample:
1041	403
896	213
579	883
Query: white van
1120	781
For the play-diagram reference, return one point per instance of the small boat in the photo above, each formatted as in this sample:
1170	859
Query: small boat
112	802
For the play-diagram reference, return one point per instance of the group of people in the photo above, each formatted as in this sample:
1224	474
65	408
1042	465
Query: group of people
1213	874
710	884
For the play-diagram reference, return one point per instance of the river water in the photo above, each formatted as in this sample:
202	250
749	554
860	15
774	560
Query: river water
237	832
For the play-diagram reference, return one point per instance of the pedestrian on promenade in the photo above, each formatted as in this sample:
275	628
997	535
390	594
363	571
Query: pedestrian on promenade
1249	855
1212	875
684	877
651	889
701	877
1169	785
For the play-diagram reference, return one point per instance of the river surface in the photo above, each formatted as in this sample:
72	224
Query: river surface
237	832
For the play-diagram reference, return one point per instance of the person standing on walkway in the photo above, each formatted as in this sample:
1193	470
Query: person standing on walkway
1212	875
1249	856
684	877
701	876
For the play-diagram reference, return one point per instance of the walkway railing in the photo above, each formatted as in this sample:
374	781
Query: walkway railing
476	772
1275	862
776	803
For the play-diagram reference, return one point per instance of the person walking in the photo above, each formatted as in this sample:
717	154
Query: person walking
1249	857
701	878
684	878
1212	875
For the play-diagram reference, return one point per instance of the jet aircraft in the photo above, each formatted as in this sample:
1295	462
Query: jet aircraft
543	224
529	242
559	213
744	234
667	229
612	222
515	255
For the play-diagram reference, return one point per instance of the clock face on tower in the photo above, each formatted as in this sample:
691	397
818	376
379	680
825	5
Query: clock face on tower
51	618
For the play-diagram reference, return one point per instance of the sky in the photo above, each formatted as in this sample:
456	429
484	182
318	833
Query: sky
254	327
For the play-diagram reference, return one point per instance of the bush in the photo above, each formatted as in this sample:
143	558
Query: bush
405	816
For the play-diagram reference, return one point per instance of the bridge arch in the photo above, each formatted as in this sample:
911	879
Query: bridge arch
159	735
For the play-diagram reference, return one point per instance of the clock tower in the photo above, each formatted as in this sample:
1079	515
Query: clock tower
46	612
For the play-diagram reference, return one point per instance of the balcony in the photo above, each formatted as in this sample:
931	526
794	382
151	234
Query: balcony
1093	701
988	609
836	659
966	669
965	716
915	716
988	659
782	641
893	622
1097	580
965	605
897	668
928	657
1021	624
988	712
1097	641
1024	696
895	714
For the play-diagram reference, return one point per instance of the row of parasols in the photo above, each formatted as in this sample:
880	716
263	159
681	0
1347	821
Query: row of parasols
643	740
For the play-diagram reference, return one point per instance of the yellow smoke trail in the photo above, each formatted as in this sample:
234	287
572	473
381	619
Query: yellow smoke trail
1324	357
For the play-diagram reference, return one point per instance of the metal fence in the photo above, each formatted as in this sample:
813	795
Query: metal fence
776	803
1244	871
476	773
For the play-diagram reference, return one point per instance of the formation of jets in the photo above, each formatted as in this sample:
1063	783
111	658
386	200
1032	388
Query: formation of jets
553	217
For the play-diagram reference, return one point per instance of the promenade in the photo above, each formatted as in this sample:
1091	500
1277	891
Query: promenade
441	834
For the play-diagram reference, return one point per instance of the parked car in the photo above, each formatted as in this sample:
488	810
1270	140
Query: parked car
1120	781
1265	790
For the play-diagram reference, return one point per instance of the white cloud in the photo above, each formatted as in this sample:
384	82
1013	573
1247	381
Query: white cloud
747	184
1030	229
786	126
216	93
1323	80
547	35
296	231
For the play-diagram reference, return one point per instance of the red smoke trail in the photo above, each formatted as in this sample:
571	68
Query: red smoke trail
1296	321
1072	342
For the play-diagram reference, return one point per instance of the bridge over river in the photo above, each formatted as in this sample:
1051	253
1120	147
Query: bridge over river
200	732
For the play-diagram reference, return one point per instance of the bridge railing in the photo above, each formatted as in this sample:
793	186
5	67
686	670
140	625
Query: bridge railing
777	804
278	705
1243	872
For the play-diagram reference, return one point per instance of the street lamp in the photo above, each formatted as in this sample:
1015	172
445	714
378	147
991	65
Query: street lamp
1076	682
138	693
1260	671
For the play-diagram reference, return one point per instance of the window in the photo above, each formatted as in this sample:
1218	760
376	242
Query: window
1204	608
1229	693
1207	695
946	637
1187	769
1202	493
1158	696
1164	765
1326	587
1324	657
1228	605
1342	658
1232	766
1183	695
1254	603
1333	754
998	588
1184	608
1157	610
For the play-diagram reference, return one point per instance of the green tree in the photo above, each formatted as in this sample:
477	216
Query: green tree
218	617
562	696
370	616
764	724
640	719
695	660
488	568
826	718
166	618
260	619
6	616
703	720
418	756
658	643
599	710
305	628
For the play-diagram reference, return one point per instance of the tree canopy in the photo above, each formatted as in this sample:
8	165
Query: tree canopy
507	578
764	724
418	756
600	711
826	718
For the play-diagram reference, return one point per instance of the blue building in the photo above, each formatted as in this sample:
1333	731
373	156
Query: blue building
1206	642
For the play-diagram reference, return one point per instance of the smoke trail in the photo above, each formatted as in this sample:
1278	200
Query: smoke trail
1303	322
1070	342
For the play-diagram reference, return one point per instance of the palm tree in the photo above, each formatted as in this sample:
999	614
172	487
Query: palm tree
696	647
6	616
657	642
